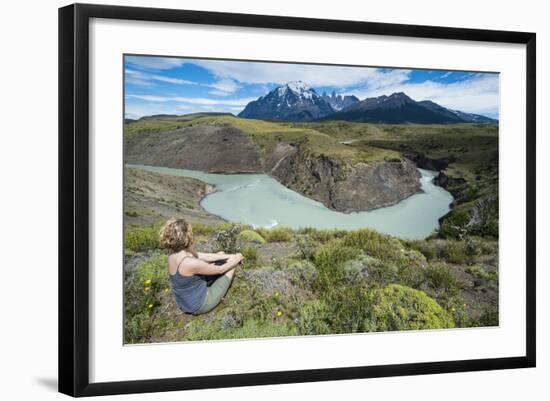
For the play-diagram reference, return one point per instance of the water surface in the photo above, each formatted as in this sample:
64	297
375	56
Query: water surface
261	201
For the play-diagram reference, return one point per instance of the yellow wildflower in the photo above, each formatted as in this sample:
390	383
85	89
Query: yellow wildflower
150	306
148	281
279	313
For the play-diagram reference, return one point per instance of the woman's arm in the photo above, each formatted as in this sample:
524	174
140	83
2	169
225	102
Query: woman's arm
212	257
197	266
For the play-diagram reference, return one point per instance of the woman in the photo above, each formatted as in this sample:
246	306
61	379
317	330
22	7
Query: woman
198	284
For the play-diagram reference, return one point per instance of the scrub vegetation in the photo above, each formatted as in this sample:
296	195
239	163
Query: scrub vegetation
309	281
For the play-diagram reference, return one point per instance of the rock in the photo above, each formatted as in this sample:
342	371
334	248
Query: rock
345	187
218	148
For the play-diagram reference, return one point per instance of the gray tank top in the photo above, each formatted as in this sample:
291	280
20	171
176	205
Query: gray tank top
189	291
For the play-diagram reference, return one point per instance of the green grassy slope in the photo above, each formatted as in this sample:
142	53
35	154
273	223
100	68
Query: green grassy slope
308	282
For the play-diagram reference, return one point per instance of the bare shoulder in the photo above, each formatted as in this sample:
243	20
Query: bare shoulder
178	261
186	264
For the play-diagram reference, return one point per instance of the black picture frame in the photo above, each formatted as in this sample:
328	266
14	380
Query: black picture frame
74	200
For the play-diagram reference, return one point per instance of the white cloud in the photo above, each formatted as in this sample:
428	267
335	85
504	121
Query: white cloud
224	87
137	111
313	75
141	78
476	94
195	100
155	63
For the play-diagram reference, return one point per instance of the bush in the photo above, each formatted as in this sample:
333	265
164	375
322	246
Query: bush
325	235
251	257
329	260
383	247
440	277
142	239
348	309
458	252
397	307
482	277
426	248
251	236
307	247
277	234
227	239
251	328
314	318
142	295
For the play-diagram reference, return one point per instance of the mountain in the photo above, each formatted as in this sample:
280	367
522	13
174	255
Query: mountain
338	102
294	101
398	108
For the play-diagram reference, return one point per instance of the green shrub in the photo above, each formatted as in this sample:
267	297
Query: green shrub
488	318
329	260
376	270
348	308
251	257
410	276
482	277
397	307
441	278
326	235
251	236
142	239
277	234
250	328
307	247
142	295
454	223
227	239
458	252
427	248
383	247
314	318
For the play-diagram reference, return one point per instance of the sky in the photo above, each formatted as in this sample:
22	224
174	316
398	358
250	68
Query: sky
166	85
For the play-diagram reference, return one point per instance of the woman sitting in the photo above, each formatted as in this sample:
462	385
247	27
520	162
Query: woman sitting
198	283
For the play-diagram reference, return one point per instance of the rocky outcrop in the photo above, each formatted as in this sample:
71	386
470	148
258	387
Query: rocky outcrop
345	187
151	197
211	148
330	180
428	163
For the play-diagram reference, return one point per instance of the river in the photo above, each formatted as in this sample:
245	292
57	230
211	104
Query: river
261	201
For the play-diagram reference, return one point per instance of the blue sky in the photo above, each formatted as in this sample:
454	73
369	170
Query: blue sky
157	85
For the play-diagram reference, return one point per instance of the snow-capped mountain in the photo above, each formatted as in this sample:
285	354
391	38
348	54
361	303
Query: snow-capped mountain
398	108
339	102
294	101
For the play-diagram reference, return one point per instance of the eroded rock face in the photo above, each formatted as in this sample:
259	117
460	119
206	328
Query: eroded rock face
344	187
210	148
328	179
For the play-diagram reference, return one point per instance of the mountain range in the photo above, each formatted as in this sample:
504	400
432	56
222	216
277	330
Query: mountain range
296	101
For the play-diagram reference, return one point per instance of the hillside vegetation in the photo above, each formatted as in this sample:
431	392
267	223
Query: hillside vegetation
308	281
465	154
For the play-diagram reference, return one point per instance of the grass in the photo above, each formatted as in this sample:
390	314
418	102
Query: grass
266	135
142	238
341	282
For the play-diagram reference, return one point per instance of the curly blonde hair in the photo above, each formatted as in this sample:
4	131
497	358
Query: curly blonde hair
176	235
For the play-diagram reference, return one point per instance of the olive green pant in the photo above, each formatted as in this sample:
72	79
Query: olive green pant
214	294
